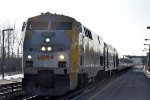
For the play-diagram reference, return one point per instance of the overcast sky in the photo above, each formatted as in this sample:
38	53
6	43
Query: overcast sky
121	23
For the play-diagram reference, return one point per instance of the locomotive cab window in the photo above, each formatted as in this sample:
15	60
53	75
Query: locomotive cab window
34	25
79	27
61	25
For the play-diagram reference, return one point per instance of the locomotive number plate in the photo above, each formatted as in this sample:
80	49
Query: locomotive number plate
49	34
43	57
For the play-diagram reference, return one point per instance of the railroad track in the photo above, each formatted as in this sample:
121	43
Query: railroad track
8	91
77	93
14	91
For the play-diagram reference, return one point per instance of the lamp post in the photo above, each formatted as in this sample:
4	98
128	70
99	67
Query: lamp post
145	50
3	56
148	27
148	54
143	60
147	39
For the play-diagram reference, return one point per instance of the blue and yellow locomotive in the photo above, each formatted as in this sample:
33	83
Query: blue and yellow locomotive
60	54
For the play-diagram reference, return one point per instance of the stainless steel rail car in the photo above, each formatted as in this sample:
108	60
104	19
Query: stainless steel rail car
124	63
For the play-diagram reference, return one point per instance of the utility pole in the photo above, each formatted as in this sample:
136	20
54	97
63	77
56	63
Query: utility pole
148	27
148	54
3	56
18	48
8	45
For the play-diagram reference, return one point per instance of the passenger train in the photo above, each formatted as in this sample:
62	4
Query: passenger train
60	54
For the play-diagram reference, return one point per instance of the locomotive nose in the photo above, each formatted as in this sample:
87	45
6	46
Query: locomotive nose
45	81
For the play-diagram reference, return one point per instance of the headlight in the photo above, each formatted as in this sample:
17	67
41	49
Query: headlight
43	48
47	40
49	48
29	56
61	57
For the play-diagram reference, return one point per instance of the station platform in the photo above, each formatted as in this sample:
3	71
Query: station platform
133	85
147	72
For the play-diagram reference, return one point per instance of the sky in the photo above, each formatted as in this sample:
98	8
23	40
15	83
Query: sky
121	23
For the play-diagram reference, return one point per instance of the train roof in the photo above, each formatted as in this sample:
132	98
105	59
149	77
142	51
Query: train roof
110	46
49	15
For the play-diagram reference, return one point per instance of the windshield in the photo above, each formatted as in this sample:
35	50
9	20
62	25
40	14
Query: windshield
61	25
35	25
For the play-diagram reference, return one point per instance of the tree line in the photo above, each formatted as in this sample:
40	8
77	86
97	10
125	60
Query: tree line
13	41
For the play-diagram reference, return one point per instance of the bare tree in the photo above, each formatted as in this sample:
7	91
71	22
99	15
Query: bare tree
0	49
13	44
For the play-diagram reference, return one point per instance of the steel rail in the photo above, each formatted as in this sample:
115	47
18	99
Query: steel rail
9	90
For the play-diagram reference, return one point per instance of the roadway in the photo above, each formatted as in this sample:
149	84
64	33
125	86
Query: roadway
133	85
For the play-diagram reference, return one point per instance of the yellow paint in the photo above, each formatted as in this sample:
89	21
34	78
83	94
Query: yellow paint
74	55
74	60
73	35
69	34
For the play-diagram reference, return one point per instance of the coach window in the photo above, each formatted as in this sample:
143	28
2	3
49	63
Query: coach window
101	60
99	40
114	60
117	60
81	60
88	33
107	59
85	30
